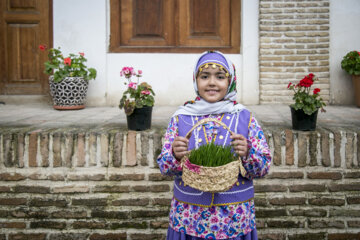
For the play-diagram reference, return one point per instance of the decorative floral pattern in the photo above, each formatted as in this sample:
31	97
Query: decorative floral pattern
220	222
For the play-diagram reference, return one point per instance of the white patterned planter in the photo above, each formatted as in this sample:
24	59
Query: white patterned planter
69	94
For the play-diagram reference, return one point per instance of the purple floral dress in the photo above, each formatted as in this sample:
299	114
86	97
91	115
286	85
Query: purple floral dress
216	222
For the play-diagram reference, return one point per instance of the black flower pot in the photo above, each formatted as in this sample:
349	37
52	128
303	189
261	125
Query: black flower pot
140	119
302	121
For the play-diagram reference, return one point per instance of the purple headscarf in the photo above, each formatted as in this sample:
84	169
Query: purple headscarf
228	103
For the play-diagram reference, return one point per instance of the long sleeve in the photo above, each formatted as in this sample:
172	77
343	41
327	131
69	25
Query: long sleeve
258	162
166	160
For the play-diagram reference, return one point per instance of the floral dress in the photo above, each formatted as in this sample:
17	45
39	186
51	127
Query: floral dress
216	222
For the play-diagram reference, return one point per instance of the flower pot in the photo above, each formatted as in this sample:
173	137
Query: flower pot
302	121
69	94
140	119
356	84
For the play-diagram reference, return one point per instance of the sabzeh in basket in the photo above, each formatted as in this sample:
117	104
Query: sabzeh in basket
211	167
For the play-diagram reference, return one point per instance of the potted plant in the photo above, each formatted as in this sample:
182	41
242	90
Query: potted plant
351	64
137	100
69	78
305	109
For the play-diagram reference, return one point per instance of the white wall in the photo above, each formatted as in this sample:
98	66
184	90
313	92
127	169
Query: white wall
80	26
344	37
83	25
250	52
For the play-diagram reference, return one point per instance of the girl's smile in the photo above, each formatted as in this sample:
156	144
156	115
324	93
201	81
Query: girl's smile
212	84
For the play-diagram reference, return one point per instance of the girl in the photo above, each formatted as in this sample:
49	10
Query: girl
226	215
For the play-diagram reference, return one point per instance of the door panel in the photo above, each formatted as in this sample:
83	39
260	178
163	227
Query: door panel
145	22
26	24
205	22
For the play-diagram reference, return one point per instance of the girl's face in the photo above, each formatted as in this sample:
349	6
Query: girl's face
212	84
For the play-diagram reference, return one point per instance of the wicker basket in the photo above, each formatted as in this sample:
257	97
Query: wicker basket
211	179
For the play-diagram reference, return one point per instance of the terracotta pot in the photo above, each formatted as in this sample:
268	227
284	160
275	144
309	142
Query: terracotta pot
356	84
69	94
302	121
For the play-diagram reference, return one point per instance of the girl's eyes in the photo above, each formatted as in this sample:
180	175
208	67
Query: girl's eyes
221	77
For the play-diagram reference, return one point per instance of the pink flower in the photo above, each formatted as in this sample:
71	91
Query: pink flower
82	54
139	72
132	85
127	71
145	92
121	74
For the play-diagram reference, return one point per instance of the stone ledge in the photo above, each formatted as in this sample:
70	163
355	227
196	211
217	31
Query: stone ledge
116	147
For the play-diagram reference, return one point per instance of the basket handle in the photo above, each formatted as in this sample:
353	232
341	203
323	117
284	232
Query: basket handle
205	120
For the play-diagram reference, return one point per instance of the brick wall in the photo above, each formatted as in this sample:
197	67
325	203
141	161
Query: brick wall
61	184
294	41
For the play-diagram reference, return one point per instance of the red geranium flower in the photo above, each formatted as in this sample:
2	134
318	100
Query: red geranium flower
307	81
316	90
303	99
82	54
67	61
42	47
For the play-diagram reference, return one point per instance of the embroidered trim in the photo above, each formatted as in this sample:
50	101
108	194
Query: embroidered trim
220	121
187	193
185	121
196	134
194	204
250	120
213	63
239	191
212	199
218	204
237	122
227	204
205	135
227	133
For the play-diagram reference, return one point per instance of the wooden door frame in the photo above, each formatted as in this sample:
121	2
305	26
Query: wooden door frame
3	64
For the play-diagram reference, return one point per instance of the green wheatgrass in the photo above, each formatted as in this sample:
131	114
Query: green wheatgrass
212	155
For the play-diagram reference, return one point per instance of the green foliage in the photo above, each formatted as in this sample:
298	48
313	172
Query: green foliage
136	95
351	63
71	66
212	155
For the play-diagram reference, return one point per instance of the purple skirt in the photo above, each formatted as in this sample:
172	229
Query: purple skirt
174	235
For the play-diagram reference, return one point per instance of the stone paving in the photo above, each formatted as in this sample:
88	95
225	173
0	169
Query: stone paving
43	115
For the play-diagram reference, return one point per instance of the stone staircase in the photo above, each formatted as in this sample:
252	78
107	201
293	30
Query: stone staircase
83	175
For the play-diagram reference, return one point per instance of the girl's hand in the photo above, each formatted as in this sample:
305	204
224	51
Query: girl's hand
239	143
180	147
